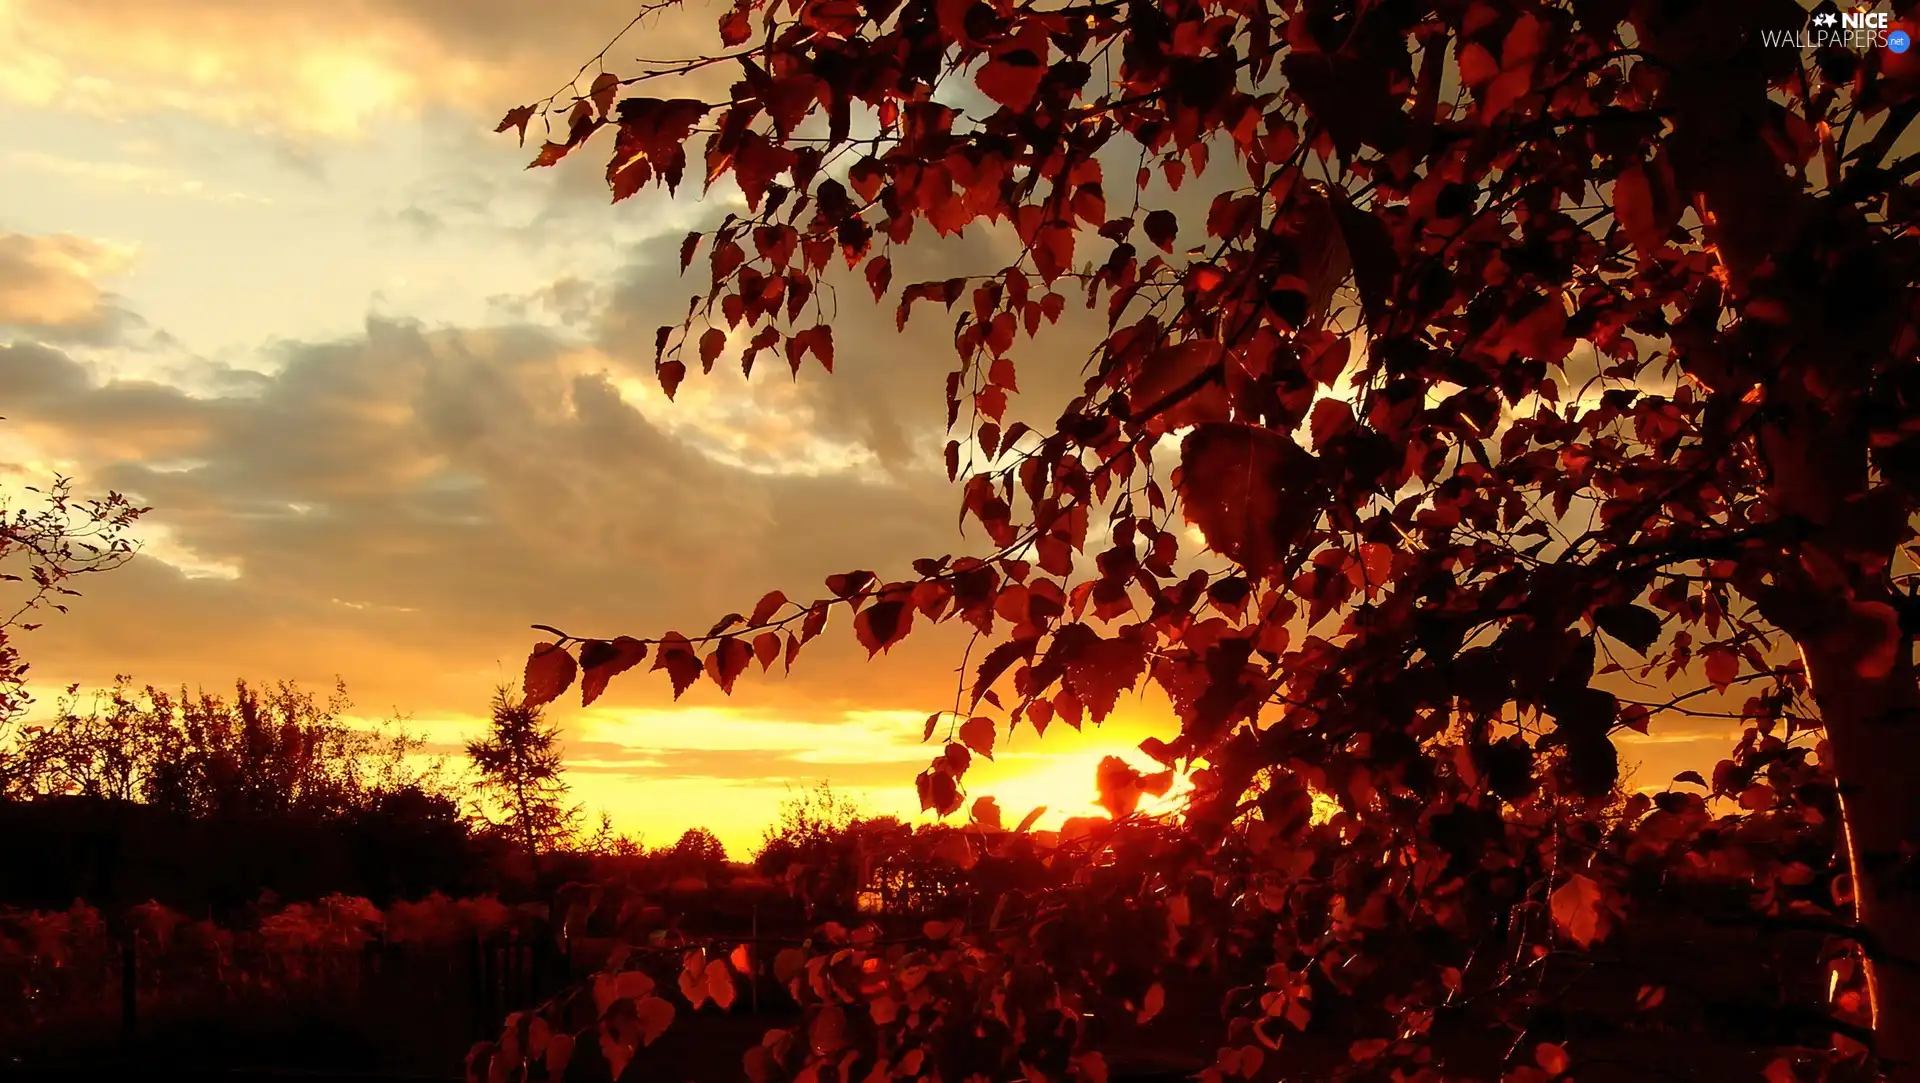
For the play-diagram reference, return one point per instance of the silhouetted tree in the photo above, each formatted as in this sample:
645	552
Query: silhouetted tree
266	751
47	539
521	776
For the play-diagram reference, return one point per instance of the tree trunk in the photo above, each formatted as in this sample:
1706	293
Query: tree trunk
1873	737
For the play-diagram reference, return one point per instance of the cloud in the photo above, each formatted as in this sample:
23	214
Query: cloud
51	285
444	487
124	176
309	67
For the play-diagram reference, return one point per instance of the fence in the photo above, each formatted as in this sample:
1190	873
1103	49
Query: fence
374	1006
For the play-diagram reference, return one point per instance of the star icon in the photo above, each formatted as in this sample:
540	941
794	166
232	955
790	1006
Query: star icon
1825	18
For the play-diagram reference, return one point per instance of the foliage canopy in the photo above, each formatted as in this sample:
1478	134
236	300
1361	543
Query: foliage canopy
1537	370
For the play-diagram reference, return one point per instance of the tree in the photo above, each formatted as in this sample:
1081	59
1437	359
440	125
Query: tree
1545	352
271	750
48	540
522	775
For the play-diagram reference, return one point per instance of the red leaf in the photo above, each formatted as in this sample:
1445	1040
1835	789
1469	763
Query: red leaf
1012	79
977	734
728	661
655	1015
997	661
676	656
1119	786
1477	65
711	343
517	118
938	792
1332	418
1722	665
605	86
769	605
1250	491
603	661
670	373
550	670
720	987
1162	227
766	647
882	624
986	812
1576	909
1155	1000
879	275
848	584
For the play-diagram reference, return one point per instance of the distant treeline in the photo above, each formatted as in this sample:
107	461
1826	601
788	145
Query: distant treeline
204	801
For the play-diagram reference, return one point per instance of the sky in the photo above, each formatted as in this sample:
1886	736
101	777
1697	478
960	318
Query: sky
266	268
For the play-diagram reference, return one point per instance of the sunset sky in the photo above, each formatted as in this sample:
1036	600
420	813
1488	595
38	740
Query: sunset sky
265	267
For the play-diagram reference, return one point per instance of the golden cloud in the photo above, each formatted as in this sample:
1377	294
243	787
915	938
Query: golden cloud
307	67
54	281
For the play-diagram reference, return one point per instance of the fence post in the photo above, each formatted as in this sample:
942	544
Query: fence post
129	989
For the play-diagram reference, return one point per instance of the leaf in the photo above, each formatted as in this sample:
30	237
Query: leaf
605	86
1576	909
676	656
602	661
1012	79
720	987
655	1015
1636	626
1780	1070
517	118
986	812
1118	785
1250	490
882	624
1155	1000
712	341
977	734
828	1034
631	985
1693	777
766	648
550	671
996	663
1162	227
670	374
772	603
790	963
1552	1058
1376	264
559	1055
728	660
1722	665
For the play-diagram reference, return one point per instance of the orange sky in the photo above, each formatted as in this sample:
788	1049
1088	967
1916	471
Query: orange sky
265	267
